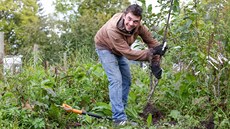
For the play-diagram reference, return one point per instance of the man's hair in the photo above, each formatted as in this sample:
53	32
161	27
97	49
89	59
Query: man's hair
135	9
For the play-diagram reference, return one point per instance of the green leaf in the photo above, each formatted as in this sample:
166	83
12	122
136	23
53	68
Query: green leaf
150	8
176	6
88	119
38	123
175	114
225	123
188	23
132	112
54	112
7	95
44	82
149	120
49	91
103	108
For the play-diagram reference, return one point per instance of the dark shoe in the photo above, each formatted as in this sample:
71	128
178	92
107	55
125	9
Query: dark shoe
124	123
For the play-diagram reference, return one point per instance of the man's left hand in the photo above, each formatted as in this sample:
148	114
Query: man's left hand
158	50
156	70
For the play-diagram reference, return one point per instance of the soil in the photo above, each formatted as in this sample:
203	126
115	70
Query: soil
71	125
157	115
208	124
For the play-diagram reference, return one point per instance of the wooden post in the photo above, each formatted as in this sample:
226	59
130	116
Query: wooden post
35	52
65	62
1	53
1	47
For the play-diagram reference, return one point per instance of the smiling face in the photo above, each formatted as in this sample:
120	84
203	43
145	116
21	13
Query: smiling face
131	21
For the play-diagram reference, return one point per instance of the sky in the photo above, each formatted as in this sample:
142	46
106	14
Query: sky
47	4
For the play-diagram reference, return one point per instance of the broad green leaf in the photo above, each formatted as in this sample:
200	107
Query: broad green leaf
175	114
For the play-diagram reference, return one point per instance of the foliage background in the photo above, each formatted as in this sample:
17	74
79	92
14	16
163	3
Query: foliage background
193	92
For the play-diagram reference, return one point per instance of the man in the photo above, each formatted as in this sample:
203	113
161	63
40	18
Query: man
113	42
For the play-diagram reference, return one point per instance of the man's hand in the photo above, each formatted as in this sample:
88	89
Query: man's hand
156	70
158	50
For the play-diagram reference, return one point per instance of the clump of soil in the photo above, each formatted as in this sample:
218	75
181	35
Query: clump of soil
208	124
157	115
71	125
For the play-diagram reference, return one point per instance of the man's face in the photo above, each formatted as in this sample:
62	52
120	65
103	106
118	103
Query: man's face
131	21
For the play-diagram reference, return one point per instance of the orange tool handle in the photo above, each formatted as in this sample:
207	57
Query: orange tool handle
70	109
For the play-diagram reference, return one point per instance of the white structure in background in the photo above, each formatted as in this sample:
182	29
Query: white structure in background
12	64
138	46
214	62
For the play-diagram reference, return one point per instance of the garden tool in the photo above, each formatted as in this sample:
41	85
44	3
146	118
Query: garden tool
154	64
151	87
156	71
82	112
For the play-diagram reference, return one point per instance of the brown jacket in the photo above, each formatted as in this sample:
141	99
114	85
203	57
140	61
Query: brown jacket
112	36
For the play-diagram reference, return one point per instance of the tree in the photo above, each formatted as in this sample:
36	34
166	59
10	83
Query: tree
24	25
82	20
15	17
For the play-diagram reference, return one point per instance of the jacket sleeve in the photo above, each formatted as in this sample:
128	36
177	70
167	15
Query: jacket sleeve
146	36
121	46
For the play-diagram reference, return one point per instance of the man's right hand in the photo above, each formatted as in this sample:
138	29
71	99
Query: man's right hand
158	50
